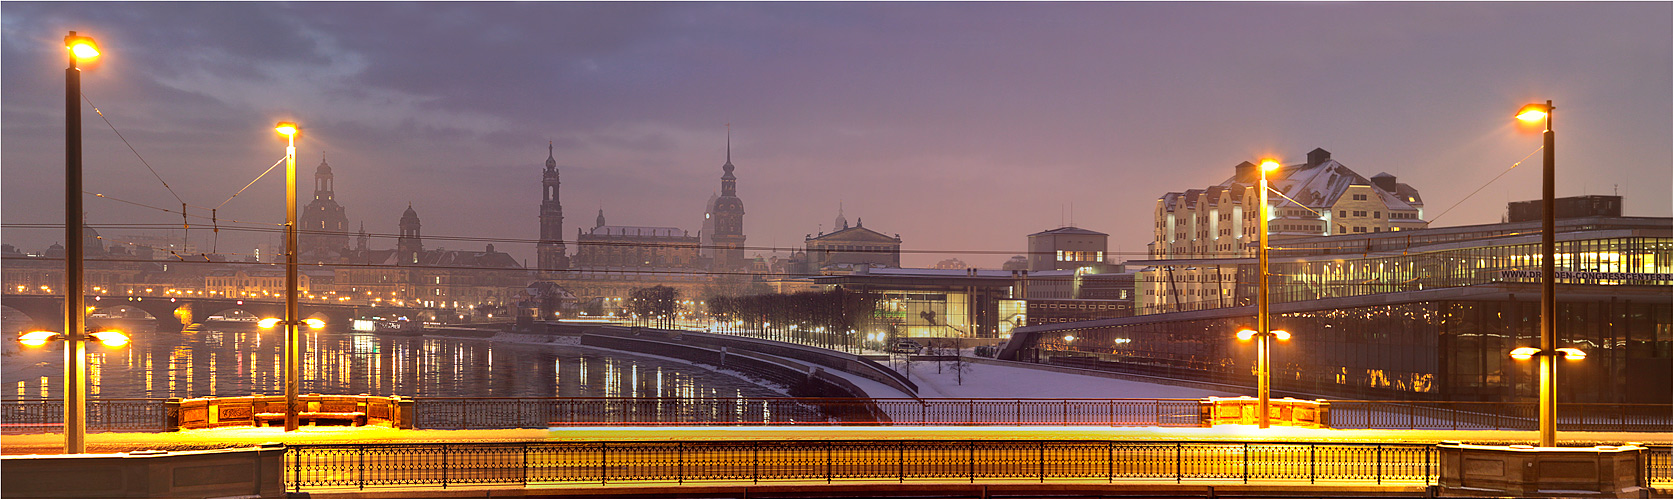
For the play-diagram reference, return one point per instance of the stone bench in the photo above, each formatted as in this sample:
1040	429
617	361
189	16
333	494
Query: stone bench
355	419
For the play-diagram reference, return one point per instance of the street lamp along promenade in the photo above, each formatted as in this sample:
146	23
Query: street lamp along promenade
1264	333
1537	113
75	315
75	380
293	339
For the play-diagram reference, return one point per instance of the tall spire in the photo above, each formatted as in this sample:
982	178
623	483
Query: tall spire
729	143
551	163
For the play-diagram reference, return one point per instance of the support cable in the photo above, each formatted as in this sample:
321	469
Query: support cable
1485	185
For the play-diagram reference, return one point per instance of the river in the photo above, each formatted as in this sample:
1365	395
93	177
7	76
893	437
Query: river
239	363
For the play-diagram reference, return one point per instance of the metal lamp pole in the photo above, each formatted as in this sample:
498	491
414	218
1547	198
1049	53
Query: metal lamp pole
1548	279
1263	328
75	329
293	340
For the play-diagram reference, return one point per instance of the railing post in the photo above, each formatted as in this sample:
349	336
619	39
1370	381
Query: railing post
680	464
296	469
1109	461
755	462
361	474
601	463
900	462
1427	463
444	466
1311	462
1042	460
1177	462
827	462
1246	463
970	459
525	476
1380	464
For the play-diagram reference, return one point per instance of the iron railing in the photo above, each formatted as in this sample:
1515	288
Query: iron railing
1472	415
149	414
110	414
317	467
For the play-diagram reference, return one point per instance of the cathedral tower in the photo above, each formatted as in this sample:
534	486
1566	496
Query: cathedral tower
550	250
323	228
728	214
409	245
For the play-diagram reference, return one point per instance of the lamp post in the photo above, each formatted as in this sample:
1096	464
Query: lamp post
75	368
75	388
1264	329
1536	113
293	340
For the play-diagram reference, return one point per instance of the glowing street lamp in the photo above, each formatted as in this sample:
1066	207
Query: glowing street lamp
1264	332
75	380
293	340
75	364
1537	113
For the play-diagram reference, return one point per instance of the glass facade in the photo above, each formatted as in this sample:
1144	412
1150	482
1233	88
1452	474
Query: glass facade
1432	350
1602	261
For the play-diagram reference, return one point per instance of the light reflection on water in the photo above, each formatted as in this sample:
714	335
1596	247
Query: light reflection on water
236	363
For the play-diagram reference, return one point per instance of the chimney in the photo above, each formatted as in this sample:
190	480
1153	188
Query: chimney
1318	156
1384	181
1244	172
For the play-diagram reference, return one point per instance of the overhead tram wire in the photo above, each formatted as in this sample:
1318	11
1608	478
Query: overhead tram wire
275	227
1485	185
187	225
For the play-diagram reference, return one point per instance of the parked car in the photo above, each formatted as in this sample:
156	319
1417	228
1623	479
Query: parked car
907	347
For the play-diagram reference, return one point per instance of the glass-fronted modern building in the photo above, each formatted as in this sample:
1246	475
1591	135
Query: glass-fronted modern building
1427	314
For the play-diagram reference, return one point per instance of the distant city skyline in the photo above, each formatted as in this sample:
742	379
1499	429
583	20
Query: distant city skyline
960	127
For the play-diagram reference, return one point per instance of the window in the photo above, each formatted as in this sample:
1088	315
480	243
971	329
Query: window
1359	229
1377	215
1342	213
1359	197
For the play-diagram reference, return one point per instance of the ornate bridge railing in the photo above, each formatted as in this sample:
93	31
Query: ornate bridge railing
318	467
1472	415
37	415
127	414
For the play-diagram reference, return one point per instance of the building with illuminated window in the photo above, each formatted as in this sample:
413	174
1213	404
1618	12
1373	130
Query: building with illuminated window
1320	197
1420	314
1067	247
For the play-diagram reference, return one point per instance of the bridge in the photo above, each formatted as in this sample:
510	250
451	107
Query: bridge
173	313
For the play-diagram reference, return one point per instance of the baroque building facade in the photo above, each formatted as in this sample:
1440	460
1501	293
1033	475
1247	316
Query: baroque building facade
323	225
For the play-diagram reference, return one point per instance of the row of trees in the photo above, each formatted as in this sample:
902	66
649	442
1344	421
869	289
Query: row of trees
838	319
654	306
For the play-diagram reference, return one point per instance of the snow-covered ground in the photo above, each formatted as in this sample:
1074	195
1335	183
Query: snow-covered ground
982	380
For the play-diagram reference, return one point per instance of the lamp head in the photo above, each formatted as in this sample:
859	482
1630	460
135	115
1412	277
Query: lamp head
1281	334
267	323
1571	353
1246	334
1269	165
1534	113
1069	338
287	129
111	338
315	323
1524	353
81	47
37	338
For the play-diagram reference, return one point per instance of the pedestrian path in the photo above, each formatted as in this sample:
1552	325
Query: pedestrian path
228	437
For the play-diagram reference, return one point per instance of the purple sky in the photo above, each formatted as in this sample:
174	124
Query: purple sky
960	126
